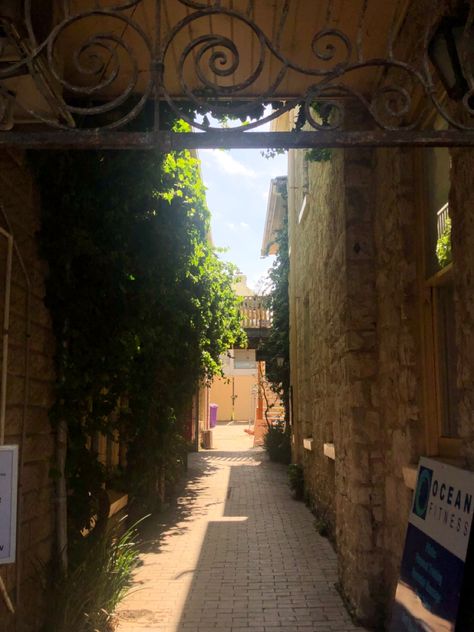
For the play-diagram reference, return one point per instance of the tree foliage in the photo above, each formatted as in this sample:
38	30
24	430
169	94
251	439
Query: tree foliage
141	306
277	347
443	245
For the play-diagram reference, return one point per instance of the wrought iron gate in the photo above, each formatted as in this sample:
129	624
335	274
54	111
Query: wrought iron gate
104	73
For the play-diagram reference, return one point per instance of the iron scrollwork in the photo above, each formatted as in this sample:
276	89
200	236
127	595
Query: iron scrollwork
393	103
103	61
119	64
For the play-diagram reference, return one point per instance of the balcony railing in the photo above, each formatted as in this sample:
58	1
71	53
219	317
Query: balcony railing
443	215
255	312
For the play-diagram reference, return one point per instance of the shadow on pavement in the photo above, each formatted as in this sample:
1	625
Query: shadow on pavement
182	510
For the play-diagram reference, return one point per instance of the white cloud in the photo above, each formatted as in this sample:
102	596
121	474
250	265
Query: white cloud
236	227
228	164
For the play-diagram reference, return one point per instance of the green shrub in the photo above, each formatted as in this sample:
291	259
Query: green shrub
296	480
277	443
443	245
322	527
85	600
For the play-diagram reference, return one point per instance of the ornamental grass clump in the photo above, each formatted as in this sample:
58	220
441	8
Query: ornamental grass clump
84	600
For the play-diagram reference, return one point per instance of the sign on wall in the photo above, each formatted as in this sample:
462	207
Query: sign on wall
439	526
8	502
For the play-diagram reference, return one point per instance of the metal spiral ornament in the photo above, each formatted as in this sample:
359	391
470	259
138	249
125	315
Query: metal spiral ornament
326	45
211	55
100	61
212	58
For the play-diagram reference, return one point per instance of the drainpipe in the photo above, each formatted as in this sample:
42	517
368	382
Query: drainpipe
4	370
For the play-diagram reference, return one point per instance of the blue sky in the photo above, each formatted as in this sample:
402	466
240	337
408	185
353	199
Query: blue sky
237	184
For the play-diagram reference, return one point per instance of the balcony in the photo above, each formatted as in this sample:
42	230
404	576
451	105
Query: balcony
255	312
256	318
442	217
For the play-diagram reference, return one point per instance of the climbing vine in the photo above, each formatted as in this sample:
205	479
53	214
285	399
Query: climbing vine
321	111
443	245
277	347
141	307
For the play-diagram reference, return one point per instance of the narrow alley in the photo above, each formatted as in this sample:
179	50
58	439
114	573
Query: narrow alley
237	553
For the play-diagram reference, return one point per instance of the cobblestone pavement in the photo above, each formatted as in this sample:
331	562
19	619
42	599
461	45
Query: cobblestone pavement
237	554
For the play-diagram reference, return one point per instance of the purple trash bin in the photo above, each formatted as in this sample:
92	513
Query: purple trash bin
213	415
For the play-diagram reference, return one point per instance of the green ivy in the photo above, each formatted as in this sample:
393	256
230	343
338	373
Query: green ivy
278	343
443	245
142	307
318	154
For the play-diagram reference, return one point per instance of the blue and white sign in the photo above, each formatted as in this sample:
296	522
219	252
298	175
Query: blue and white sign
431	575
8	502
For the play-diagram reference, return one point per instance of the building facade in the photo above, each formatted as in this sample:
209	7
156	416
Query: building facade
382	342
382	333
28	356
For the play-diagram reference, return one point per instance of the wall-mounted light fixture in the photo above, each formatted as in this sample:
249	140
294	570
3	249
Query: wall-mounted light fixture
451	52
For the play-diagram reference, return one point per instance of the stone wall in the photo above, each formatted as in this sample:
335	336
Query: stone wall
359	350
399	349
362	359
359	469
316	289
407	403
33	433
334	354
359	360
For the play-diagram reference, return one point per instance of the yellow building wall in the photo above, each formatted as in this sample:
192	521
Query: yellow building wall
245	387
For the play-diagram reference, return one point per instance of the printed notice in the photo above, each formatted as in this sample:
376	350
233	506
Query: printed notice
8	502
432	570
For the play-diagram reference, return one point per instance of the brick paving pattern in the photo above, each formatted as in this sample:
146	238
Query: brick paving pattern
237	554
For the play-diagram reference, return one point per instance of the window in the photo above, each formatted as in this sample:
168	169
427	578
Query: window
439	318
244	359
437	168
446	356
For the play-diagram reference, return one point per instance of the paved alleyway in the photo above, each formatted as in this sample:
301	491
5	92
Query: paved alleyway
237	555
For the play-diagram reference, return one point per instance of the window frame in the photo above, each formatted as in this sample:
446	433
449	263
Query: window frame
437	444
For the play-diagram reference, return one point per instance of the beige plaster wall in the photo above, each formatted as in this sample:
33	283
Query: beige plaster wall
245	402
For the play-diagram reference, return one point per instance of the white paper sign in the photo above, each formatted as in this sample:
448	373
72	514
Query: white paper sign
8	502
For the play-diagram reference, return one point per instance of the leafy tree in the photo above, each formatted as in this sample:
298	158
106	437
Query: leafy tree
141	307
